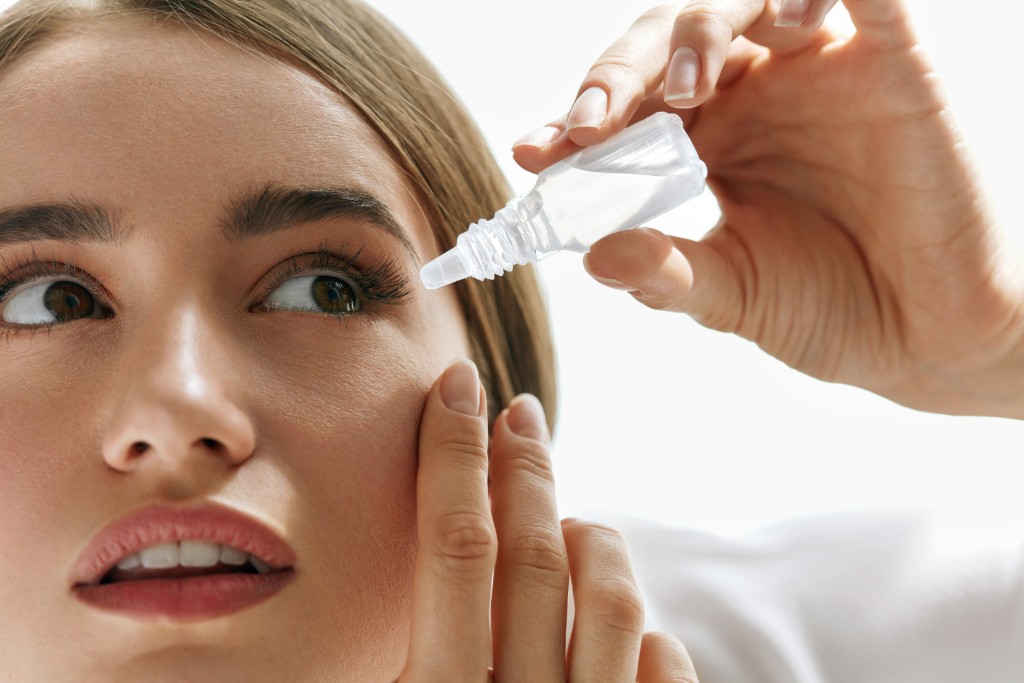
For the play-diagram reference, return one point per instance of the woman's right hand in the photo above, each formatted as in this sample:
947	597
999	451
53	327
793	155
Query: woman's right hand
513	539
855	243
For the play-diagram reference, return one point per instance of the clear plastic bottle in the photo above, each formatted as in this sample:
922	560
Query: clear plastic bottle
635	175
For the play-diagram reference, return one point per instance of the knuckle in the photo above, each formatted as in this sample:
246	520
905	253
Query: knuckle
617	604
463	449
542	551
617	62
595	532
707	18
531	460
465	542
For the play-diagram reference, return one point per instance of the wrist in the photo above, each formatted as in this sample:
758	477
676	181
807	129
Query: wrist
989	383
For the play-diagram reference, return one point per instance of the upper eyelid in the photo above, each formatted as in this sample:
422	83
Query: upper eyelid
79	276
91	283
291	271
295	265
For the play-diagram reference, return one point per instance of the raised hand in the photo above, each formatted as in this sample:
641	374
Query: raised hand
855	244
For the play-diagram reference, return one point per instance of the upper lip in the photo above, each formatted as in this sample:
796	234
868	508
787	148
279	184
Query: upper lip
156	524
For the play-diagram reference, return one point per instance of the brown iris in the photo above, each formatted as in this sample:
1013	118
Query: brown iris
334	296
69	300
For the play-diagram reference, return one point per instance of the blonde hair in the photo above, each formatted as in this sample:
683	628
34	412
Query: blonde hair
357	53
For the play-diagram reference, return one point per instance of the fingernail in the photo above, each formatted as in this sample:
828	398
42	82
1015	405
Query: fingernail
526	418
683	75
607	281
542	137
792	13
589	109
460	387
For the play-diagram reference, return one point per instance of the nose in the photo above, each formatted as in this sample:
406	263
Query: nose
176	415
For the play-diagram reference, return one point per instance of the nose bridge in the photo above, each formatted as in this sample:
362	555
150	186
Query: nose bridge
177	407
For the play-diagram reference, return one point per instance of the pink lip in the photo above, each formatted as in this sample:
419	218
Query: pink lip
182	598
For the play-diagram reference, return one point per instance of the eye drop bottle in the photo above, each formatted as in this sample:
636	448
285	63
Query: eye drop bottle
635	175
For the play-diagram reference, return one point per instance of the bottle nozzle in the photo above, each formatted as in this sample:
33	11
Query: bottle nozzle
444	270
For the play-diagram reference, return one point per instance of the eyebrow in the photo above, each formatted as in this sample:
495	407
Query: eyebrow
267	210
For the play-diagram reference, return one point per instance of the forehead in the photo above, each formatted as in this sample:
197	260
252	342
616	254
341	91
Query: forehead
166	118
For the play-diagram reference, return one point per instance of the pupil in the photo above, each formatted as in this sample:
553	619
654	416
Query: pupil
334	296
68	300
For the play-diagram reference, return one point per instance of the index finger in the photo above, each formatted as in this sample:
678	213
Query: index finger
674	59
457	544
648	58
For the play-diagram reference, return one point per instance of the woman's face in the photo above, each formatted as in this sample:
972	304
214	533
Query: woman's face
162	337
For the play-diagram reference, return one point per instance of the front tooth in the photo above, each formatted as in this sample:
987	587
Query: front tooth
261	567
199	554
160	556
130	562
233	556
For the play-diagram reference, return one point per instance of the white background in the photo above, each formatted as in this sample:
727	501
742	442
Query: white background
661	418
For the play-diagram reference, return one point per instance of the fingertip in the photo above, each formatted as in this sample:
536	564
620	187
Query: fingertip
604	279
585	136
589	111
526	418
460	388
539	138
623	260
683	77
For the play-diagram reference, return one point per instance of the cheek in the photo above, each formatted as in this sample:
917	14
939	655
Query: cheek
48	439
45	458
346	437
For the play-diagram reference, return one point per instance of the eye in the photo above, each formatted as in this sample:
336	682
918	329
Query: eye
319	293
50	301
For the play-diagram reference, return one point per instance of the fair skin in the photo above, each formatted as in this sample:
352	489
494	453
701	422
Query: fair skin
334	431
855	243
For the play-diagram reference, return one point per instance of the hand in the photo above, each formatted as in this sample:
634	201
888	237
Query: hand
461	546
854	244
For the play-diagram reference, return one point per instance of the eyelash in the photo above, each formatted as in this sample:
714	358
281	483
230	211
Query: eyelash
382	282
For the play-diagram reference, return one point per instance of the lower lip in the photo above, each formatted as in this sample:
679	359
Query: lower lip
185	599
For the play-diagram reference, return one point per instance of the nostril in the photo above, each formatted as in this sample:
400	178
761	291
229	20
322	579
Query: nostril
211	443
139	447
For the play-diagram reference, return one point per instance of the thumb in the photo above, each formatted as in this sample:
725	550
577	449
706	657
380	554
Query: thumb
671	274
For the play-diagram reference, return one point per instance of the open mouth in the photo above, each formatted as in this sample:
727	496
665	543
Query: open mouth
182	563
115	575
185	558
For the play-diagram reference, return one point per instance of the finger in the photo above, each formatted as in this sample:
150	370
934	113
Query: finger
531	578
705	30
663	658
671	273
816	15
609	623
540	148
547	145
456	539
621	78
692	45
882	24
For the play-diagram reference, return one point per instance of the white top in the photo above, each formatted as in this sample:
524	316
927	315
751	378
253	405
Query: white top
903	596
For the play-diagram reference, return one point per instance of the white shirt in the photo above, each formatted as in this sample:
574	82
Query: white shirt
903	596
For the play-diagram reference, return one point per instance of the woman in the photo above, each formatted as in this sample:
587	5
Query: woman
216	211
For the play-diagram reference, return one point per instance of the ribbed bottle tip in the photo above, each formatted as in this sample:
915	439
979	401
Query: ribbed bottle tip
444	270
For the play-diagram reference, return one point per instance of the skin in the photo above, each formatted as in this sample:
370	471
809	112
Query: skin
855	243
337	433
